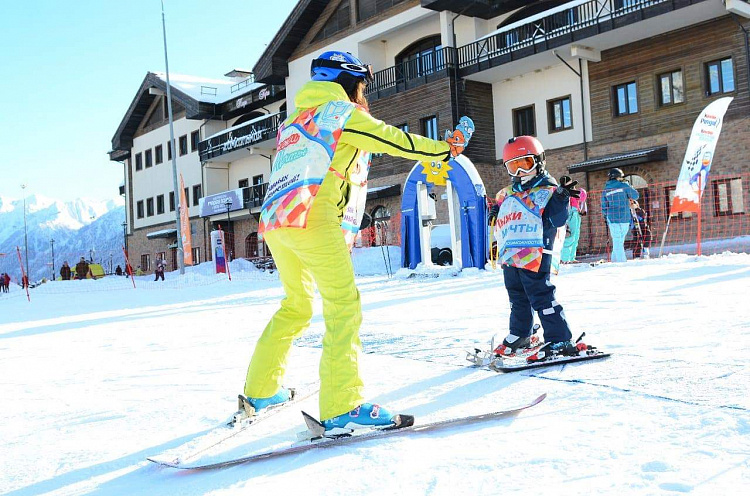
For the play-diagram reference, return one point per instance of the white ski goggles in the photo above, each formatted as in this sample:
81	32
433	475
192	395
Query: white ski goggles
521	165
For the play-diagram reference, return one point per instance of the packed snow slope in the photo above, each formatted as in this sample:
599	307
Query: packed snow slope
96	376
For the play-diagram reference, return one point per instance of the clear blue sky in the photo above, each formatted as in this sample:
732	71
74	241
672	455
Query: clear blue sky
70	68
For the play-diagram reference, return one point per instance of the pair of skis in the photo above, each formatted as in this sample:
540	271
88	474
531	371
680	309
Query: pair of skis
405	425
519	361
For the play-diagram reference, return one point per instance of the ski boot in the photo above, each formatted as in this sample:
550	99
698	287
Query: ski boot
366	415
512	344
250	407
561	349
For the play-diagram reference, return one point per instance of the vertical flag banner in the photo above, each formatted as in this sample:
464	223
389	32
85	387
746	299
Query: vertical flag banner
187	239
698	157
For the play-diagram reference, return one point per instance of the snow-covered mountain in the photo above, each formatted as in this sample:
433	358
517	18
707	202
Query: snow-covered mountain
81	227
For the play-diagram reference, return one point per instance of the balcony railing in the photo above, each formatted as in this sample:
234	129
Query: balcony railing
415	72
252	196
580	20
242	136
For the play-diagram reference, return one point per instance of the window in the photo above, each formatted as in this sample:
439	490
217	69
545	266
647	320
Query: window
196	194
626	99
149	207
670	198
420	58
671	88
171	201
138	161
159	204
429	127
194	139
149	161
139	209
338	21
187	197
524	123
403	127
243	183
196	255
162	255
183	145
559	115
367	9
719	77
158	155
146	262
257	180
728	198
169	150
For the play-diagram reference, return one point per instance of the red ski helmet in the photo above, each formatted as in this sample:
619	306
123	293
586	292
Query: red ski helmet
523	154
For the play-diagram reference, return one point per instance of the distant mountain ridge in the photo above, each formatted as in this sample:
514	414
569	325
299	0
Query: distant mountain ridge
80	228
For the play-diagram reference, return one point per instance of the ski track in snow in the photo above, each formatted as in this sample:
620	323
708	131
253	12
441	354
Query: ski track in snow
97	379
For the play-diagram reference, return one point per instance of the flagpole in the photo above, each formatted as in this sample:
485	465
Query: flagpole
700	211
180	252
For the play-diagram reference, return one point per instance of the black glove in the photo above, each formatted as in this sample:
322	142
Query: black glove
366	221
493	213
568	190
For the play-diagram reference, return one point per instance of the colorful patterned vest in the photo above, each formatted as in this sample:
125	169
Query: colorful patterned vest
305	146
519	230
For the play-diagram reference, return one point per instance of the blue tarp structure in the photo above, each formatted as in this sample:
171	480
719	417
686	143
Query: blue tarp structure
472	210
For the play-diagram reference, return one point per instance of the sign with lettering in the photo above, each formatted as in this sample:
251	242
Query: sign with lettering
221	203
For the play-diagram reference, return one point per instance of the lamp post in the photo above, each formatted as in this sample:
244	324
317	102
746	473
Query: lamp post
125	235
25	232
52	242
228	204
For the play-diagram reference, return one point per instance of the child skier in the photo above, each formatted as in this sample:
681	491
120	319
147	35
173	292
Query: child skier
527	218
315	201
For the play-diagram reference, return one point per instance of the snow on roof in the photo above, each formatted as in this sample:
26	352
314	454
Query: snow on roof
210	90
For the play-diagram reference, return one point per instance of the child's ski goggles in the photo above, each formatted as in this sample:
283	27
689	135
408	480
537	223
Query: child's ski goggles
521	165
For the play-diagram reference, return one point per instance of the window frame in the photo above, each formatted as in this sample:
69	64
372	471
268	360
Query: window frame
146	260
139	209
148	159
659	90
194	140
669	194
150	207
616	100
169	150
183	145
707	76
551	114
187	197
158	154
138	161
424	126
171	201
197	193
159	204
730	203
196	255
516	112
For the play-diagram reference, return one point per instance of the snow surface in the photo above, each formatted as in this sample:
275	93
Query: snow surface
96	376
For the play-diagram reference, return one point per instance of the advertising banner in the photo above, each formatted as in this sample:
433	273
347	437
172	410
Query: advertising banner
187	239
218	203
698	157
217	247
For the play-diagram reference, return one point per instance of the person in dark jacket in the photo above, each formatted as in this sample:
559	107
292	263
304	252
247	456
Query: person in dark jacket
159	270
529	219
616	198
118	271
82	269
65	271
642	236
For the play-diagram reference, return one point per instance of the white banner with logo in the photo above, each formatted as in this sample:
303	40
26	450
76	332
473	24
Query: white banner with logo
698	157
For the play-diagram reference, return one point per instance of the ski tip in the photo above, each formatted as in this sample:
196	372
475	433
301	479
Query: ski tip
314	426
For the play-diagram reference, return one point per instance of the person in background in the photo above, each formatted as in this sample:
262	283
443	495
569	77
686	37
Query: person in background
138	271
642	232
118	271
527	216
577	209
5	282
82	269
327	141
159	270
65	271
616	198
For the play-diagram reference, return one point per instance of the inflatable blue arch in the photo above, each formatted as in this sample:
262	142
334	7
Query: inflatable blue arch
470	210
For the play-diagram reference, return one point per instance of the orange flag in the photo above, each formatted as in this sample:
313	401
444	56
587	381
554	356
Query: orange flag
187	240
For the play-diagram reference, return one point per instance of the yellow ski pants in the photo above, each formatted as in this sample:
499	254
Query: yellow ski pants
315	255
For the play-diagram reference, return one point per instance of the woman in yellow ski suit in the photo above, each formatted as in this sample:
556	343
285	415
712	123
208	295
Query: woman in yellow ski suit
316	252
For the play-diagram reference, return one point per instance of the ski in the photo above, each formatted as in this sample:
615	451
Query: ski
356	437
234	427
555	360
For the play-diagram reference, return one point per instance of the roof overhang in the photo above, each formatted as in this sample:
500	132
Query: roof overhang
122	141
164	233
272	66
484	9
623	159
383	191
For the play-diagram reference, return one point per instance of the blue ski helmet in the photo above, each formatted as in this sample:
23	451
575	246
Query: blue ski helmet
328	66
